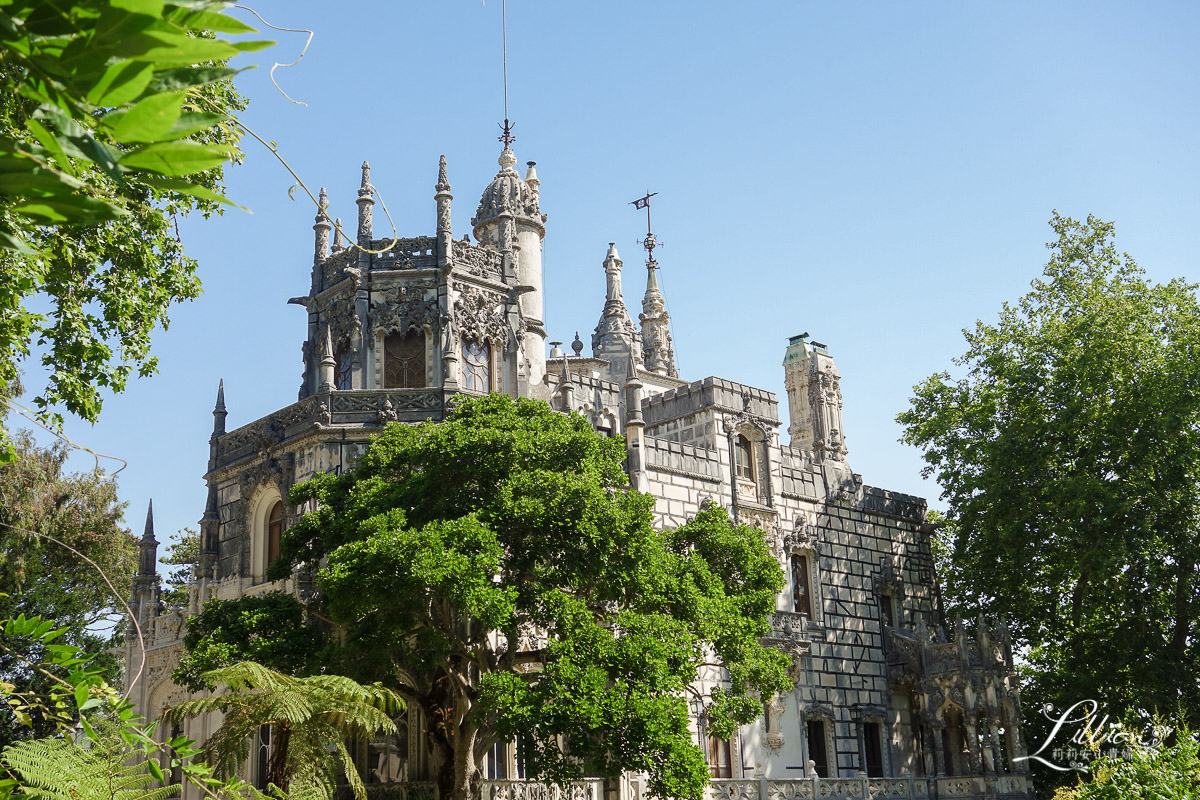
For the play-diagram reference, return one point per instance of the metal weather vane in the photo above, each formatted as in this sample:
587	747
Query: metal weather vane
650	242
506	137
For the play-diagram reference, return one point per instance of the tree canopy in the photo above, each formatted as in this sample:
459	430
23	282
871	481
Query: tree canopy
1069	458
498	572
115	119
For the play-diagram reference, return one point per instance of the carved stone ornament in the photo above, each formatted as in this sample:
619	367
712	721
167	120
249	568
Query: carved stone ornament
269	471
343	322
887	581
801	538
478	261
403	309
478	317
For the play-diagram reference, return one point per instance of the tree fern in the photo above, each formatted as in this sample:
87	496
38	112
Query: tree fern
61	769
310	718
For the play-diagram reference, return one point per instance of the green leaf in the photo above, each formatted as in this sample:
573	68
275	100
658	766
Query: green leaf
254	45
153	8
79	210
170	80
176	158
121	83
148	120
191	189
213	21
188	124
174	49
155	770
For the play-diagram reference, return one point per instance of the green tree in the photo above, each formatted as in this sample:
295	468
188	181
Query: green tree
498	572
1069	458
115	119
308	716
182	554
270	628
1143	773
42	577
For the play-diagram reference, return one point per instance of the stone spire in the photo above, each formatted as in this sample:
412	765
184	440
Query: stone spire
148	546
656	325
366	200
616	338
219	412
339	244
566	388
321	247
328	363
443	198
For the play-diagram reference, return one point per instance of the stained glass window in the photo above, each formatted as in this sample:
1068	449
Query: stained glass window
404	361
476	366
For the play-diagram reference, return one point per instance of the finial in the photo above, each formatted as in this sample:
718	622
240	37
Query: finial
220	406
507	159
506	138
566	374
650	242
443	183
339	243
148	536
577	345
322	204
366	177
531	177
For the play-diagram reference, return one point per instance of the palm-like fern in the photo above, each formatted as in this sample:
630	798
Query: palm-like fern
60	769
310	717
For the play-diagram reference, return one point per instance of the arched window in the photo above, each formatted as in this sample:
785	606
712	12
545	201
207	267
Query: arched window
801	602
744	457
476	366
404	361
274	532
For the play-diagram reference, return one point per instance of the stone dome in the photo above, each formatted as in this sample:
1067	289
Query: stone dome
508	193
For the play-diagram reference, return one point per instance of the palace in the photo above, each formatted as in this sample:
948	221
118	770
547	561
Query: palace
888	702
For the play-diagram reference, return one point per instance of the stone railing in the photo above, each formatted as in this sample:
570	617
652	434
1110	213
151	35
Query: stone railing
987	787
590	789
411	790
805	788
414	253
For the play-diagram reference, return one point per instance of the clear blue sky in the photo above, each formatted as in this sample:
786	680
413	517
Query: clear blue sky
879	174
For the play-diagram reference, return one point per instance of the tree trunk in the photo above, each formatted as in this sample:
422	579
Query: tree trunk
465	768
277	771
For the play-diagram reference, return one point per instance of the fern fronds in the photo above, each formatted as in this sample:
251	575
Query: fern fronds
60	769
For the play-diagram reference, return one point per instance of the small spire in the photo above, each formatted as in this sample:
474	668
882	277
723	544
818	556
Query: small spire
365	188
219	412
366	199
443	183
148	535
339	244
507	159
566	374
322	204
321	244
577	345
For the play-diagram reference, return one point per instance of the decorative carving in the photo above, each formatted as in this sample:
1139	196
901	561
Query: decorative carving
270	470
478	317
479	261
402	309
339	313
387	412
801	538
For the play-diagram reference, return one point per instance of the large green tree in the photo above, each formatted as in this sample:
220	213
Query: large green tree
498	572
115	120
1068	452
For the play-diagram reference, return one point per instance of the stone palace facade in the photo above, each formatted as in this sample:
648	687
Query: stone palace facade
887	703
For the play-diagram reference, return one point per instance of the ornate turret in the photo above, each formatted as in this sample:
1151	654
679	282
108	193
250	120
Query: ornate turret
616	339
814	400
443	198
656	322
148	546
510	221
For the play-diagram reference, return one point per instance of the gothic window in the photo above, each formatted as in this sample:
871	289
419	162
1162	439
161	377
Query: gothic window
720	763
476	366
343	363
404	361
387	755
801	601
818	749
274	532
262	756
873	748
887	610
743	453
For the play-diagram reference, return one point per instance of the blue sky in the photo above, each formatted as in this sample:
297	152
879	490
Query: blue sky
879	174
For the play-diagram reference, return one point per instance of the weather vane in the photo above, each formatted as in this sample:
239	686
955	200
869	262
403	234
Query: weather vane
650	242
506	137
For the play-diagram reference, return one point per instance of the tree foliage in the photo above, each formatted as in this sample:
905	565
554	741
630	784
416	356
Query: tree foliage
115	119
1165	773
271	629
309	717
1069	458
97	748
182	555
41	577
496	570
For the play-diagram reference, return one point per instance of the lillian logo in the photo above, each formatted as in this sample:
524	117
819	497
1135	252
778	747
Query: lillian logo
1080	735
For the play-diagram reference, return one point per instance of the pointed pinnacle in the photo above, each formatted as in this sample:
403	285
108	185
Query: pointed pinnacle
365	189
443	183
220	406
323	199
148	536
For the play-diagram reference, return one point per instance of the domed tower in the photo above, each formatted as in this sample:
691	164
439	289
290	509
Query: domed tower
509	221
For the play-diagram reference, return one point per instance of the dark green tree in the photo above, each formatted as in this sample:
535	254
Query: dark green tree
1068	454
499	562
182	556
272	629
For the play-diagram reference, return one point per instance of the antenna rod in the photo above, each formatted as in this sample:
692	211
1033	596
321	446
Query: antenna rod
506	137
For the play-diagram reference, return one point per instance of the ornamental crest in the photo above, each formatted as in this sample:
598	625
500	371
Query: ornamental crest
403	309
